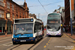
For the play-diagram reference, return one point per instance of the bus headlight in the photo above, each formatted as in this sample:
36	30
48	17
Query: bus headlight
15	38
58	33
12	36
30	37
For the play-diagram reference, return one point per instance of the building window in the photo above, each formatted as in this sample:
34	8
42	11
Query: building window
8	15
2	28
12	7
8	5
16	16
1	3
13	16
1	14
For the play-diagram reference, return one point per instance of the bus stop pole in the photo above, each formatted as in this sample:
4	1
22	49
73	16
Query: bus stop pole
71	18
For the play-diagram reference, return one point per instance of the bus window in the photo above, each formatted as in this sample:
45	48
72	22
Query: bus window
35	28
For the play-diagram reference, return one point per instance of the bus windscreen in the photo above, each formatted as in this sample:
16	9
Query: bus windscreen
23	28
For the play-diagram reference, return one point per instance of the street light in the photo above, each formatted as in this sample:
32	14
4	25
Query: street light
71	18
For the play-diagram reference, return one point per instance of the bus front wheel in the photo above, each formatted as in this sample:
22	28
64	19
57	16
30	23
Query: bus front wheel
35	40
14	43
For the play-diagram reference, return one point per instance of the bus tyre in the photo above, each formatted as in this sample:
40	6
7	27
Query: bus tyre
35	41
14	43
42	37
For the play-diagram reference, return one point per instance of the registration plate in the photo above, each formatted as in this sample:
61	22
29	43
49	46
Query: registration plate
22	40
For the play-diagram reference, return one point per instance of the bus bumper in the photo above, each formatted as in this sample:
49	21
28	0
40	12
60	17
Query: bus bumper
23	40
54	35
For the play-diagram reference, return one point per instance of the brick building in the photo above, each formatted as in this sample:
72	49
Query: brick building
32	16
67	12
9	10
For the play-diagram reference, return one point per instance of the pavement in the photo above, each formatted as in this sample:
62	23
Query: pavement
73	36
6	35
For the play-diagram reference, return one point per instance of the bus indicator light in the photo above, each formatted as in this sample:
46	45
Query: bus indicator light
31	19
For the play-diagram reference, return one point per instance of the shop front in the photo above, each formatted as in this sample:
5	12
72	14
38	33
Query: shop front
2	26
73	24
9	30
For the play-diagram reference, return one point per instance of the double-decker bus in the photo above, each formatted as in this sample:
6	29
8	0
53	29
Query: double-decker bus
27	30
54	24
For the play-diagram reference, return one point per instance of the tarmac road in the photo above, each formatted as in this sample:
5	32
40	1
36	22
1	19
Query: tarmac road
47	43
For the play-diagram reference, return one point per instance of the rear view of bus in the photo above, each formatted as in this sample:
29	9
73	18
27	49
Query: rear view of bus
54	24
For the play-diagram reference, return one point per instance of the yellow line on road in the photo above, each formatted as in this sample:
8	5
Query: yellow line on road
73	48
44	46
74	41
47	43
69	38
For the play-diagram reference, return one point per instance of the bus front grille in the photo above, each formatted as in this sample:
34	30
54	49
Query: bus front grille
22	38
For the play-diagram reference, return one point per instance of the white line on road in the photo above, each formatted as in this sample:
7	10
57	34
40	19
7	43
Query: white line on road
6	44
5	40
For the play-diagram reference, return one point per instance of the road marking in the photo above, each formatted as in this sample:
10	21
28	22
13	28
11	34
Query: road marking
69	38
44	46
7	44
2	38
63	36
74	41
5	40
73	48
38	44
47	43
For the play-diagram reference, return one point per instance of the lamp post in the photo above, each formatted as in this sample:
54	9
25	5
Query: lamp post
71	18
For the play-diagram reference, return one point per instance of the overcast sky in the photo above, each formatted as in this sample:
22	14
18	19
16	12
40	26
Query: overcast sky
35	7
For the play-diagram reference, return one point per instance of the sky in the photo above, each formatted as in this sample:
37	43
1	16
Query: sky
36	8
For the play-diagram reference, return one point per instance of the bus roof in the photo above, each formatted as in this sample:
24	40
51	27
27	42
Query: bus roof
54	14
26	20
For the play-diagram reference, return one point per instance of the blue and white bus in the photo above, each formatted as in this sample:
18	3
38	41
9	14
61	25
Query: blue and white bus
54	24
27	30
